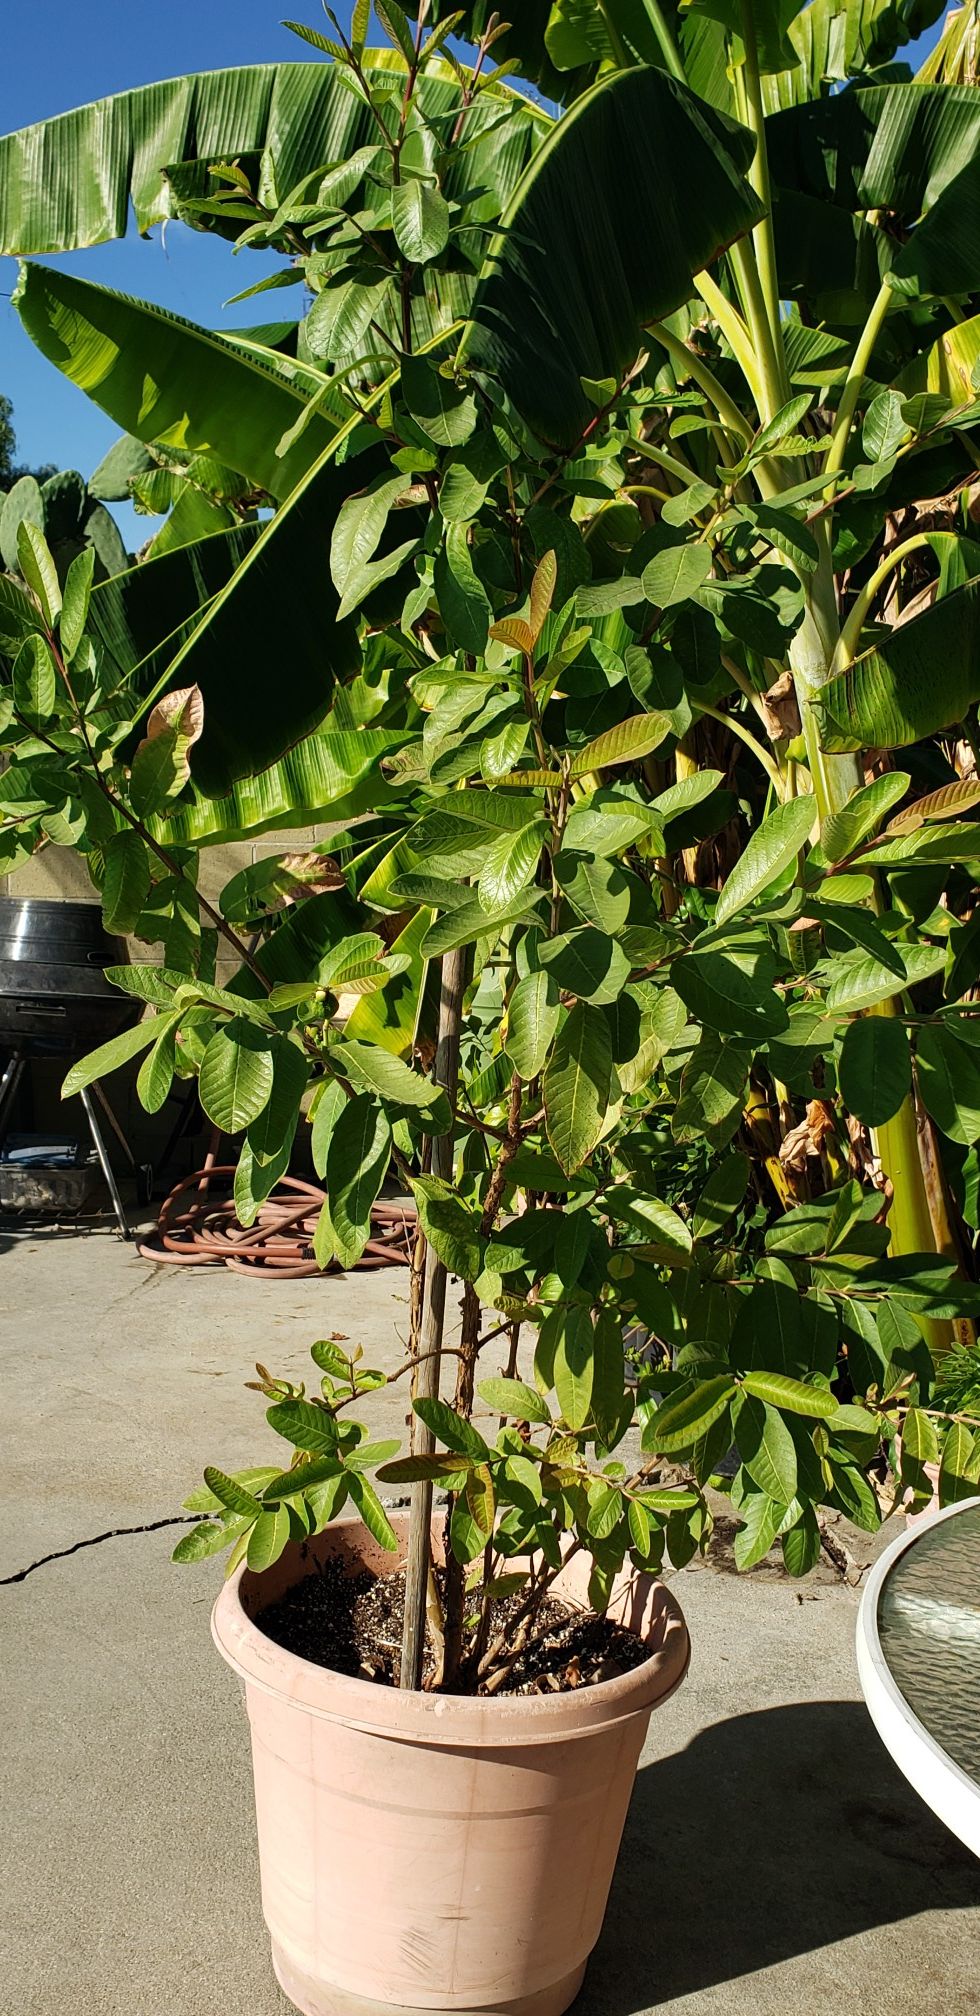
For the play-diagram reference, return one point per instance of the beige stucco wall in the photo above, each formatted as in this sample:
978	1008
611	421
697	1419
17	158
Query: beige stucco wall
60	873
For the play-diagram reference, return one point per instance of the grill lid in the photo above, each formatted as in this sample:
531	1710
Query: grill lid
37	931
52	981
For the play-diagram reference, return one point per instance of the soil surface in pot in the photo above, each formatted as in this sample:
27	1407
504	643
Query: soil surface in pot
353	1624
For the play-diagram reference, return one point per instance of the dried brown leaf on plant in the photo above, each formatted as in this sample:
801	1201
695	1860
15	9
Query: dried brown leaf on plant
781	710
808	1137
314	874
182	710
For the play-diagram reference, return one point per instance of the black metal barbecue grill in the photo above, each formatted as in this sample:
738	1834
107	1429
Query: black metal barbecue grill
55	1001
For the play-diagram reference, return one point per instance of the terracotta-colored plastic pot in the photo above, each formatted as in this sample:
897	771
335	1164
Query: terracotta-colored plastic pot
426	1852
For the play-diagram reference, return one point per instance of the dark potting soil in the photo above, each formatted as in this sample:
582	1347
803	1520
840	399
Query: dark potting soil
353	1624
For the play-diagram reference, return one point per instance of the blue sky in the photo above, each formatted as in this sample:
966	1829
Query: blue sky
58	54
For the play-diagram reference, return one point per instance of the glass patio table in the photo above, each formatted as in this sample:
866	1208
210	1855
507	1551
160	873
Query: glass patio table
918	1650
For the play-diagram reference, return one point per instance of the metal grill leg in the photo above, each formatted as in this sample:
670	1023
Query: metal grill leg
8	1089
114	1124
106	1165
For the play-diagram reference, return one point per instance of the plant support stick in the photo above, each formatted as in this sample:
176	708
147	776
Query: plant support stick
426	1383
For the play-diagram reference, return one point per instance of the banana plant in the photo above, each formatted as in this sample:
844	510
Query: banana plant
623	569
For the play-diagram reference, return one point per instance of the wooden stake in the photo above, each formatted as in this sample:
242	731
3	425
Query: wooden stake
426	1382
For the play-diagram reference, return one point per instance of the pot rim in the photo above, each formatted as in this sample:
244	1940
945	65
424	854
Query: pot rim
456	1720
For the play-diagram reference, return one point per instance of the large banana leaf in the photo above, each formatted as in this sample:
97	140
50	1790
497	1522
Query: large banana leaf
168	381
828	259
638	187
582	35
69	181
838	39
142	617
909	150
923	678
193	516
703	46
948	365
270	649
559	45
333	776
942	256
892	147
266	651
953	60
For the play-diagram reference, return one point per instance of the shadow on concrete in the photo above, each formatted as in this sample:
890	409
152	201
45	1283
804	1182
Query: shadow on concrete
772	1835
17	1228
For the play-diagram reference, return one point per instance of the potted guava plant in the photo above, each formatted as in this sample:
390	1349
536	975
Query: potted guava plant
553	558
463	1804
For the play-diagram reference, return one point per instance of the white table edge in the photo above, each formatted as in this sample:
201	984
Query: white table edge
950	1792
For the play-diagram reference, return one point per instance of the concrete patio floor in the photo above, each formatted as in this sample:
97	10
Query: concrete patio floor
774	1861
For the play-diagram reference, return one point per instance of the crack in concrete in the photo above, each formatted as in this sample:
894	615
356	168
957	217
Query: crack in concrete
844	1568
154	1526
115	1533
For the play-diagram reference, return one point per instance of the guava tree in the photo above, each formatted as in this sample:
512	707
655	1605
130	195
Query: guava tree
618	604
